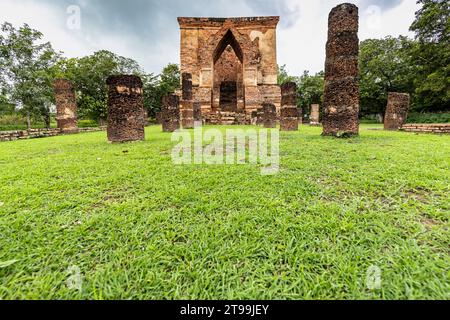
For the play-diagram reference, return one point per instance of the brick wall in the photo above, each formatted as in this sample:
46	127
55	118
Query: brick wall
39	133
427	128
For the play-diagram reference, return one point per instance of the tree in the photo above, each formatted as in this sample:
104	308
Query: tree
310	90
156	87
432	55
283	76
26	70
89	75
385	66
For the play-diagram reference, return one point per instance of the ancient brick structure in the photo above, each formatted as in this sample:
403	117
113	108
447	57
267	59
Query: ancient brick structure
269	115
187	103
125	109
40	133
397	110
315	115
198	112
170	114
233	65
289	119
443	128
66	106
341	97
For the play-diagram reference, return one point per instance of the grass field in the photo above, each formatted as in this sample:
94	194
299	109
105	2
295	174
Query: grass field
139	227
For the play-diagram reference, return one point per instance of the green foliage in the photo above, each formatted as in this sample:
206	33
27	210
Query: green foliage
26	66
432	24
432	55
283	76
156	87
139	227
385	66
428	118
310	89
89	74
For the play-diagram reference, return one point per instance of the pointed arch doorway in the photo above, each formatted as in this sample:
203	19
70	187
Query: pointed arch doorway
228	76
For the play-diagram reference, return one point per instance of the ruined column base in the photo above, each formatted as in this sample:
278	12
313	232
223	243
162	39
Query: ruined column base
341	125
187	115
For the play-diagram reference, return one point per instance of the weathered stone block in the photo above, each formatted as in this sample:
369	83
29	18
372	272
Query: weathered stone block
396	111
170	114
125	109
269	116
315	115
341	96
289	112
66	106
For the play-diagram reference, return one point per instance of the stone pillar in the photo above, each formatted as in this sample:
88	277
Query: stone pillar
289	111
125	109
269	117
66	106
300	116
187	104
341	97
170	115
198	112
315	115
397	110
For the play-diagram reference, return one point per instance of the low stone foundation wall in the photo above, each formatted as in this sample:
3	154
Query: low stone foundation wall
39	133
427	128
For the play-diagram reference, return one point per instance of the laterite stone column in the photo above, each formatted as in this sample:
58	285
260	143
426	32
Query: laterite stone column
269	117
66	106
198	113
397	110
341	97
125	109
289	112
187	104
170	115
315	115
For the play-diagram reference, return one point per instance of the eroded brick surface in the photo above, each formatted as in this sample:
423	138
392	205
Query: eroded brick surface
315	115
289	119
397	110
341	96
187	103
269	115
170	114
66	106
233	65
126	113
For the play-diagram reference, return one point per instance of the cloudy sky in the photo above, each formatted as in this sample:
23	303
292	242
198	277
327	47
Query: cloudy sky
147	30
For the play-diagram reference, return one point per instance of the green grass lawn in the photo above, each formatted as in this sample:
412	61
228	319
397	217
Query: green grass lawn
139	227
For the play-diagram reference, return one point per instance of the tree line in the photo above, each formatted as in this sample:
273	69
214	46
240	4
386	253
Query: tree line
419	66
28	67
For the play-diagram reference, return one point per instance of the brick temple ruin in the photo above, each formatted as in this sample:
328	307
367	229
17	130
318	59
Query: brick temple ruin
126	115
233	63
289	115
396	111
341	96
170	114
66	106
187	101
314	118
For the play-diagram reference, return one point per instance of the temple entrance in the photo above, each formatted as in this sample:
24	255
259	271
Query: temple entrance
228	90
228	96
